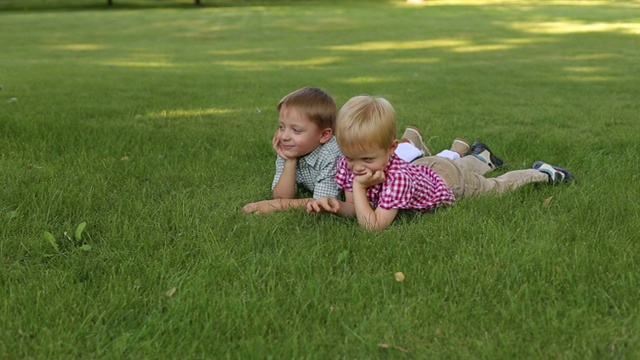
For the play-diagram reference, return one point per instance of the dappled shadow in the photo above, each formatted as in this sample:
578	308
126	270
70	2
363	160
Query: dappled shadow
523	3
93	5
321	49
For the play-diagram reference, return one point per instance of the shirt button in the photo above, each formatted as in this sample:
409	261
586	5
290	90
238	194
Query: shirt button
388	191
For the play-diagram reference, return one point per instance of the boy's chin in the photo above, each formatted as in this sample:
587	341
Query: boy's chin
292	154
364	172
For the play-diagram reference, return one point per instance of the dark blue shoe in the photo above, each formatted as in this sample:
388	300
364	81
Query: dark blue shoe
556	174
482	152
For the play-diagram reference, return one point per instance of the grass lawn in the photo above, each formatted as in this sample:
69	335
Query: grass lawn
131	136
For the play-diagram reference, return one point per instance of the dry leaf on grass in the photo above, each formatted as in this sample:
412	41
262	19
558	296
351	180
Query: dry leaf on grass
399	276
171	291
387	346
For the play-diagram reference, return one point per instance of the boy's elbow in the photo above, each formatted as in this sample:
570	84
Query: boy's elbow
376	223
280	195
374	227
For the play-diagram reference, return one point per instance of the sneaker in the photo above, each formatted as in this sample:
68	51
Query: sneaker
461	146
413	136
556	174
482	152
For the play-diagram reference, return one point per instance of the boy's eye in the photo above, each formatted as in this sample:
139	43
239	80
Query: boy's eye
297	131
367	160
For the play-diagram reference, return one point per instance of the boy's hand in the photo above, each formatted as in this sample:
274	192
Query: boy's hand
325	204
369	179
277	147
260	207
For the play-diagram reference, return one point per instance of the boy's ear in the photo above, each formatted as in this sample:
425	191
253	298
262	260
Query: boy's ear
326	135
393	146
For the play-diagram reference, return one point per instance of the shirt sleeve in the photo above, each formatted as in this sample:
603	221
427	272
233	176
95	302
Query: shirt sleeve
279	169
342	176
325	182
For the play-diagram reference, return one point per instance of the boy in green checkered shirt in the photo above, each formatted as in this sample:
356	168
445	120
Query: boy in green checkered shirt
307	151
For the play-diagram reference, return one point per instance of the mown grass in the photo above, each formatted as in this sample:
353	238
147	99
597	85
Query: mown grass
151	122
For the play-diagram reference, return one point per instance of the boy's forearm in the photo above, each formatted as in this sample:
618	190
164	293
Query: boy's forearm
285	204
274	205
286	186
364	212
347	210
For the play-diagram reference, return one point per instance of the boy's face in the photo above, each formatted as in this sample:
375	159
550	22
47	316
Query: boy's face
297	135
371	158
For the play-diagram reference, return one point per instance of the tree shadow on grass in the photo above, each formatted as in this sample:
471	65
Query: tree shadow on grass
87	5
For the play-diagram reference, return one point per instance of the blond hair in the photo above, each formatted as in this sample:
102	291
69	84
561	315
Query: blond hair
365	121
314	102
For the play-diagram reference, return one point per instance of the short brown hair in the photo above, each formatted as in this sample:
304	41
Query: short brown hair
314	102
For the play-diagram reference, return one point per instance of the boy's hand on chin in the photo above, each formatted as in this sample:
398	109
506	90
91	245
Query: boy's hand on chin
277	146
369	178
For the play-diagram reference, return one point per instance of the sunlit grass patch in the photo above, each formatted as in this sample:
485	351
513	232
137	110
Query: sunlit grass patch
179	113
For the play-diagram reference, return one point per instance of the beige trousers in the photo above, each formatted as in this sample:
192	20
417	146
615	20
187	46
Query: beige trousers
465	176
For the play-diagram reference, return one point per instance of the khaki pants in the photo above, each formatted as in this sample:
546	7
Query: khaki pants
465	176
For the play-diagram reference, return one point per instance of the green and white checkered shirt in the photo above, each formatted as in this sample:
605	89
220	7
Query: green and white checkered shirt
316	171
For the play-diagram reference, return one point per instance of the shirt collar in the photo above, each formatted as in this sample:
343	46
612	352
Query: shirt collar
312	158
393	160
392	165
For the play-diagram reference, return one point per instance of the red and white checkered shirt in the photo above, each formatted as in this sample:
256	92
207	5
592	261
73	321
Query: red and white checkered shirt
407	186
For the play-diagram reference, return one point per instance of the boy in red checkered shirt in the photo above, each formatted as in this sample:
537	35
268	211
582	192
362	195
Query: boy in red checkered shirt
377	183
